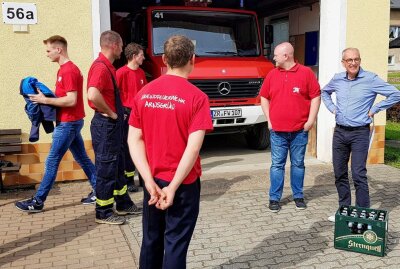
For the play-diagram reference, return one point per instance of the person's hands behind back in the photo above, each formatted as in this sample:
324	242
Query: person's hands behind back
168	200
156	194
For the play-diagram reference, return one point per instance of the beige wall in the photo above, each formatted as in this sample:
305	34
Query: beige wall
361	28
23	54
368	29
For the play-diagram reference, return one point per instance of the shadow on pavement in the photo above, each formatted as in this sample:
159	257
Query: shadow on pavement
393	240
208	166
284	249
383	192
63	206
48	239
218	187
323	186
8	203
24	193
383	195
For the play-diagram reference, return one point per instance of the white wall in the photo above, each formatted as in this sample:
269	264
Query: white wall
100	22
332	42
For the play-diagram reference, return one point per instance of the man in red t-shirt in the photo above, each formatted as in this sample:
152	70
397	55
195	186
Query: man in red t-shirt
130	80
67	134
106	131
168	122
290	99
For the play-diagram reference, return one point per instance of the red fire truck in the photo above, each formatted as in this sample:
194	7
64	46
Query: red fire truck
229	66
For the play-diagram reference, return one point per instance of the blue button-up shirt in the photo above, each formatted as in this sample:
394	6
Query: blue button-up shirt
354	98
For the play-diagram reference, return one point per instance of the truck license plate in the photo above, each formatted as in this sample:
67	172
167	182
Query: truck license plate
226	113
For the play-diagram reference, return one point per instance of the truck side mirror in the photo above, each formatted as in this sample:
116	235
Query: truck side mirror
268	34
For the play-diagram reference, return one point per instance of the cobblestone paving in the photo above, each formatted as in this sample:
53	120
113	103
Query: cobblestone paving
64	235
236	230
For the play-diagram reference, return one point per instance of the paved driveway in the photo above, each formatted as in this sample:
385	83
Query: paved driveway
235	229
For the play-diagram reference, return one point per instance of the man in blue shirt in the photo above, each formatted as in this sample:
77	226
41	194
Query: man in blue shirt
356	90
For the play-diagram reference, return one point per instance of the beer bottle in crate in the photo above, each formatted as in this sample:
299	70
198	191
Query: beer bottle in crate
360	225
354	215
344	212
372	216
381	216
366	231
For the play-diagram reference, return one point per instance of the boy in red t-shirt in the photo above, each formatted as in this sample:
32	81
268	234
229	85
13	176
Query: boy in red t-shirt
67	134
130	79
168	122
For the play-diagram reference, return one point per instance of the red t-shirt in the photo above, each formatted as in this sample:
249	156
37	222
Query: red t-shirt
130	82
167	110
100	78
290	93
69	79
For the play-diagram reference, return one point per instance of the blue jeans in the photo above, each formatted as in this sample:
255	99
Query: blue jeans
281	143
67	135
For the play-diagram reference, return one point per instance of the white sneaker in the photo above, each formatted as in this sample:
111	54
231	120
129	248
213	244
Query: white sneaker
331	218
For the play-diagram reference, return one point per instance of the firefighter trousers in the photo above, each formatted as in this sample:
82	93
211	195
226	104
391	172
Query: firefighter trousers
109	160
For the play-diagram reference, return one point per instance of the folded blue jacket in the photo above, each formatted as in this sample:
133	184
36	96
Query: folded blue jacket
37	113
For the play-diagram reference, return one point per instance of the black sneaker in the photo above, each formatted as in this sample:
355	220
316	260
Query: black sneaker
274	206
113	220
133	210
133	188
31	205
90	199
300	204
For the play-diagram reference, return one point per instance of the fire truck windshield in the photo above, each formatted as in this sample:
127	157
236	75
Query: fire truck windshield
214	34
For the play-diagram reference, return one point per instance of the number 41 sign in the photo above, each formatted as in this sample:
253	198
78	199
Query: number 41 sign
19	13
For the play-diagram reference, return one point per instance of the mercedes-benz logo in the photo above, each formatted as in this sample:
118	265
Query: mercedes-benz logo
224	88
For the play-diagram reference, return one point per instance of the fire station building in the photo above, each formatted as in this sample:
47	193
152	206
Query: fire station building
318	29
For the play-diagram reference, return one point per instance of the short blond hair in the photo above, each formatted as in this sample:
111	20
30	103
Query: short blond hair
56	39
178	50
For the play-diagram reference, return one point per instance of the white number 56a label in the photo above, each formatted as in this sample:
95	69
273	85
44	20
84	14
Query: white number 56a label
19	13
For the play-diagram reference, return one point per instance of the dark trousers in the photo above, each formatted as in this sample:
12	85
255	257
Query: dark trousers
129	165
109	156
354	142
167	233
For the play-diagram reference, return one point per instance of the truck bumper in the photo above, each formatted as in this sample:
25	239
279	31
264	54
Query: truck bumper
250	115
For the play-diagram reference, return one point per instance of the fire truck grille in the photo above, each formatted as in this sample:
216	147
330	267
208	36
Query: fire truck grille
226	89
